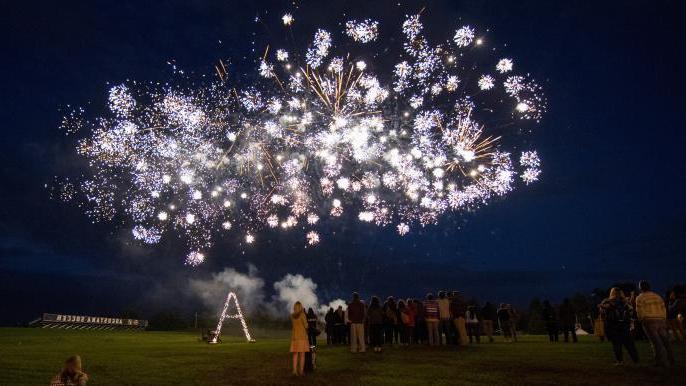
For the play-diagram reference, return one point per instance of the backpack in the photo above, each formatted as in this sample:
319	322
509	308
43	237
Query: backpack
619	313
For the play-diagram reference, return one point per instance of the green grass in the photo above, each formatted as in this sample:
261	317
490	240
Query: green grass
33	356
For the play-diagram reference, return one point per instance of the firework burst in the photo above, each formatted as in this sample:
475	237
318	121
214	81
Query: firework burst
317	135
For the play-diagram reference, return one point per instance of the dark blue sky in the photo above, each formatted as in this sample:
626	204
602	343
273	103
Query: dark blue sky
610	205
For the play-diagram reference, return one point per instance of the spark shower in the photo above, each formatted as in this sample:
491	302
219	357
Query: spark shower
322	129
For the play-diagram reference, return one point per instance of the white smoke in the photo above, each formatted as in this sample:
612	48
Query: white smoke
250	289
324	308
293	288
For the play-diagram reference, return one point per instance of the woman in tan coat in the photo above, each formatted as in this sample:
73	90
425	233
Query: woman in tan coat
299	343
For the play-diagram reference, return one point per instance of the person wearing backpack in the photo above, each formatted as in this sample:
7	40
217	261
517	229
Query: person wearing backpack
617	312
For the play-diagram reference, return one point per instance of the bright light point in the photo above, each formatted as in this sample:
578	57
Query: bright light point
166	178
473	173
522	107
479	42
371	199
186	178
197	195
214	193
438	173
336	203
231	137
226	225
227	204
162	216
249	238
287	19
155	194
194	259
366	216
244	195
361	65
190	218
451	59
312	238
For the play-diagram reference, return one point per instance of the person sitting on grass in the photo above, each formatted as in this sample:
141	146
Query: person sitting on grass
299	343
71	374
617	312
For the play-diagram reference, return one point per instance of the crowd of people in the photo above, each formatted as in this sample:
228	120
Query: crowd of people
448	319
441	320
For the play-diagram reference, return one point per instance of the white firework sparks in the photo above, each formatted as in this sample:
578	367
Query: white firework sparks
504	65
464	36
364	31
195	258
319	135
312	238
486	82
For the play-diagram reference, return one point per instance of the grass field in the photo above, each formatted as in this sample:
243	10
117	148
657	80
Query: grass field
32	356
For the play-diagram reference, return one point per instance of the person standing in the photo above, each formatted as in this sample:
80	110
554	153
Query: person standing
505	322
514	317
420	328
488	316
356	317
651	311
673	320
390	319
299	342
472	323
458	308
617	312
375	319
339	326
432	318
444	327
568	320
329	326
312	327
408	318
550	319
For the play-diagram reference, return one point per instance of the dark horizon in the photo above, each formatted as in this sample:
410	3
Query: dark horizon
608	208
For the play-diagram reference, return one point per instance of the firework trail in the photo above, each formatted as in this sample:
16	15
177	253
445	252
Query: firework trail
321	131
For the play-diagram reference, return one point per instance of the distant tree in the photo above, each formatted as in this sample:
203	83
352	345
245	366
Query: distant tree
129	314
167	321
583	306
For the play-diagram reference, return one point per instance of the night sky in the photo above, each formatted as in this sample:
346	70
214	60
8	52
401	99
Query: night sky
609	206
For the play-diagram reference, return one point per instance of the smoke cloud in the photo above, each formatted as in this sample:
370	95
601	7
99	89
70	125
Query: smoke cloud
251	292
